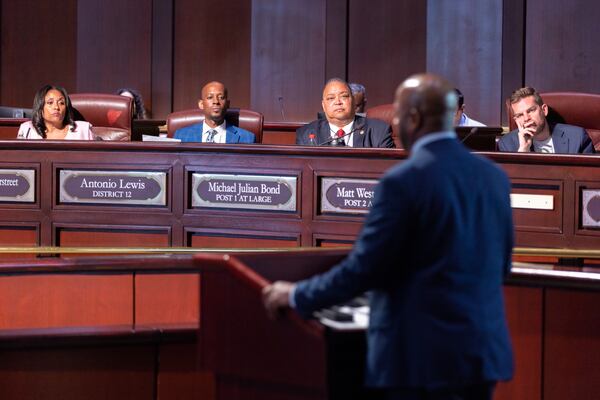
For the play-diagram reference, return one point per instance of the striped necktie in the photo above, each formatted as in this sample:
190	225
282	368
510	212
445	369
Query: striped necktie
210	136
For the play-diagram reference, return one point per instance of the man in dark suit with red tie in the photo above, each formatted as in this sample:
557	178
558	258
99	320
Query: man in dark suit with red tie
341	126
433	252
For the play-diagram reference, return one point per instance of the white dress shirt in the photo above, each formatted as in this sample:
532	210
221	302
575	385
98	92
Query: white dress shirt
221	135
466	121
347	129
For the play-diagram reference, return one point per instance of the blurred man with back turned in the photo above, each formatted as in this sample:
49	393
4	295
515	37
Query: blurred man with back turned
534	133
433	252
214	104
342	127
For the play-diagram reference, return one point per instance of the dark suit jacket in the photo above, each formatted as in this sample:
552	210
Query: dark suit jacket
433	251
367	133
193	133
567	139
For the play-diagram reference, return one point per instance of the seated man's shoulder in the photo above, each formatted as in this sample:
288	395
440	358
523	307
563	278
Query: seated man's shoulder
245	136
514	134
303	132
571	128
577	134
509	134
509	141
189	132
311	125
467	121
572	131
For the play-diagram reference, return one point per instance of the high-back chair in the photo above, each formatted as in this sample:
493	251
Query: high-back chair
110	115
573	108
246	119
15	112
385	112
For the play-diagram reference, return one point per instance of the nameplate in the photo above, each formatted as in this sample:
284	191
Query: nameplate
347	195
254	192
590	208
17	185
532	201
113	187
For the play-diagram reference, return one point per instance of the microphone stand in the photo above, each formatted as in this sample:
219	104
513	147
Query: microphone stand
335	139
280	99
468	135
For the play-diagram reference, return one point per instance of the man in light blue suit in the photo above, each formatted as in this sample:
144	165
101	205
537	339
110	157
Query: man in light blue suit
433	253
214	129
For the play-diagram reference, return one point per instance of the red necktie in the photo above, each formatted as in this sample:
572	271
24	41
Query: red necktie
340	139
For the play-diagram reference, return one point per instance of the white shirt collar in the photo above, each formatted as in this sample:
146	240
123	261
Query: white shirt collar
221	132
429	138
346	128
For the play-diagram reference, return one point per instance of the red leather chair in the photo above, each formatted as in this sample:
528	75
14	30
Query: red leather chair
110	115
385	112
249	120
580	109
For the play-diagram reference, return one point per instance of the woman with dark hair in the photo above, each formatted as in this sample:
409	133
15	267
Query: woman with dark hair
139	111
53	118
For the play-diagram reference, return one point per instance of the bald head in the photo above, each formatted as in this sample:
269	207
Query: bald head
214	103
214	86
424	103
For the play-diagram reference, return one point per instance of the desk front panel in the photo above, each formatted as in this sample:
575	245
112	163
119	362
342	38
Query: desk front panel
549	211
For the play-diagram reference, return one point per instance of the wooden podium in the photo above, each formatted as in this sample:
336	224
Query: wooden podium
254	357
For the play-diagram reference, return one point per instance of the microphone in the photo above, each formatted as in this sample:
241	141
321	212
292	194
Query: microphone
280	99
335	139
468	135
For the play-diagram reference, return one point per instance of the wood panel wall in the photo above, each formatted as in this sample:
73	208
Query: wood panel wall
513	31
36	48
114	46
211	42
382	55
467	50
288	58
275	56
562	45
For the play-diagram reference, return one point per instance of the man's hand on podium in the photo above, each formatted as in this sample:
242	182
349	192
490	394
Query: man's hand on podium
276	297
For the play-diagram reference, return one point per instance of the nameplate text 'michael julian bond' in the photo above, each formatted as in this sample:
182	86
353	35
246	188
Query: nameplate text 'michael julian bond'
253	192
